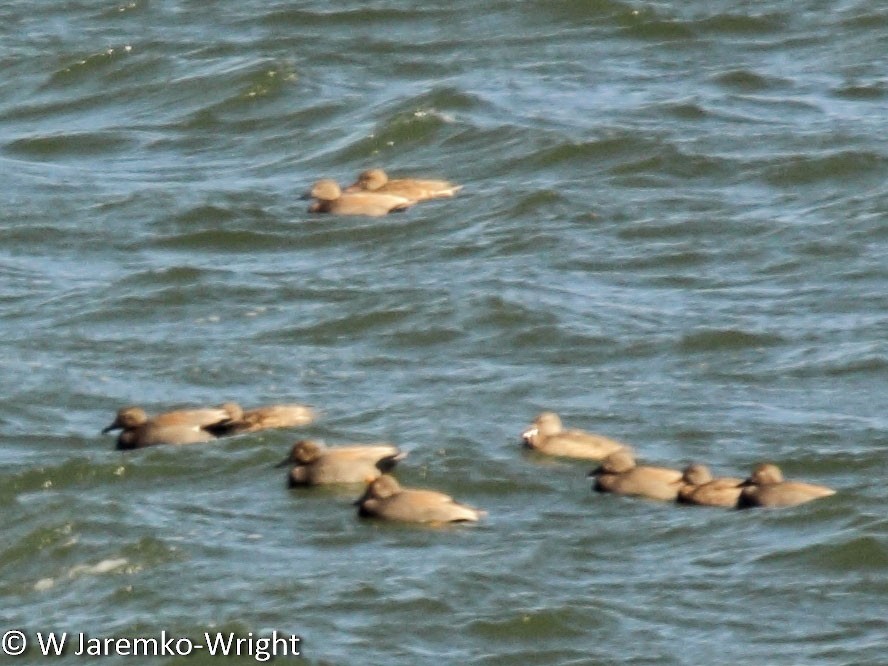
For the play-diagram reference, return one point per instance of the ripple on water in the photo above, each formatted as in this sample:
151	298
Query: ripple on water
714	340
859	554
841	165
755	25
212	241
85	67
72	473
846	359
73	146
672	232
646	25
862	91
422	121
746	80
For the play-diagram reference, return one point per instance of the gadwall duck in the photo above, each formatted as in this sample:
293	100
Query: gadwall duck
766	487
386	499
329	198
315	464
376	180
699	487
186	426
619	474
547	435
262	418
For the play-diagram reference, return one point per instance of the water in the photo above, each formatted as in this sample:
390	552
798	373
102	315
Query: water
673	231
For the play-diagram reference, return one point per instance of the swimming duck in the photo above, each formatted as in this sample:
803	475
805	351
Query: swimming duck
619	474
766	487
547	435
185	426
386	499
262	418
315	464
376	180
699	487
329	198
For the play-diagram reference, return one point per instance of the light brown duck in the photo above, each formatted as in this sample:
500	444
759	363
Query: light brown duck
376	180
186	426
547	435
263	418
329	198
699	487
766	487
386	499
315	464
619	474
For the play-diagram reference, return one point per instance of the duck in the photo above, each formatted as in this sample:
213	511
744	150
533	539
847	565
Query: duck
546	435
329	198
387	500
699	487
267	417
377	180
766	487
619	474
316	464
184	426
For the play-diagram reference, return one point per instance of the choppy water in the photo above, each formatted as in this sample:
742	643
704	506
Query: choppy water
673	231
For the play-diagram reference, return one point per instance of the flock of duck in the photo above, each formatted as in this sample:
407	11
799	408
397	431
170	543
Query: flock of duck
374	194
618	472
312	463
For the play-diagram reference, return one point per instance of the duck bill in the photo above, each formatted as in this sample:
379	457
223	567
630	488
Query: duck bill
113	426
283	463
528	435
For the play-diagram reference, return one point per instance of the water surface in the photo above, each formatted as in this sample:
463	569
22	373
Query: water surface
673	232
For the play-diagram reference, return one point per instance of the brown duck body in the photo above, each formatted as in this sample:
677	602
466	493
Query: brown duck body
186	426
546	435
766	487
699	487
415	189
619	474
263	418
315	464
153	435
329	198
386	499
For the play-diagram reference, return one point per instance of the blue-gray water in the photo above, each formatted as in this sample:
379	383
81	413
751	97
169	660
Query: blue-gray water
673	231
